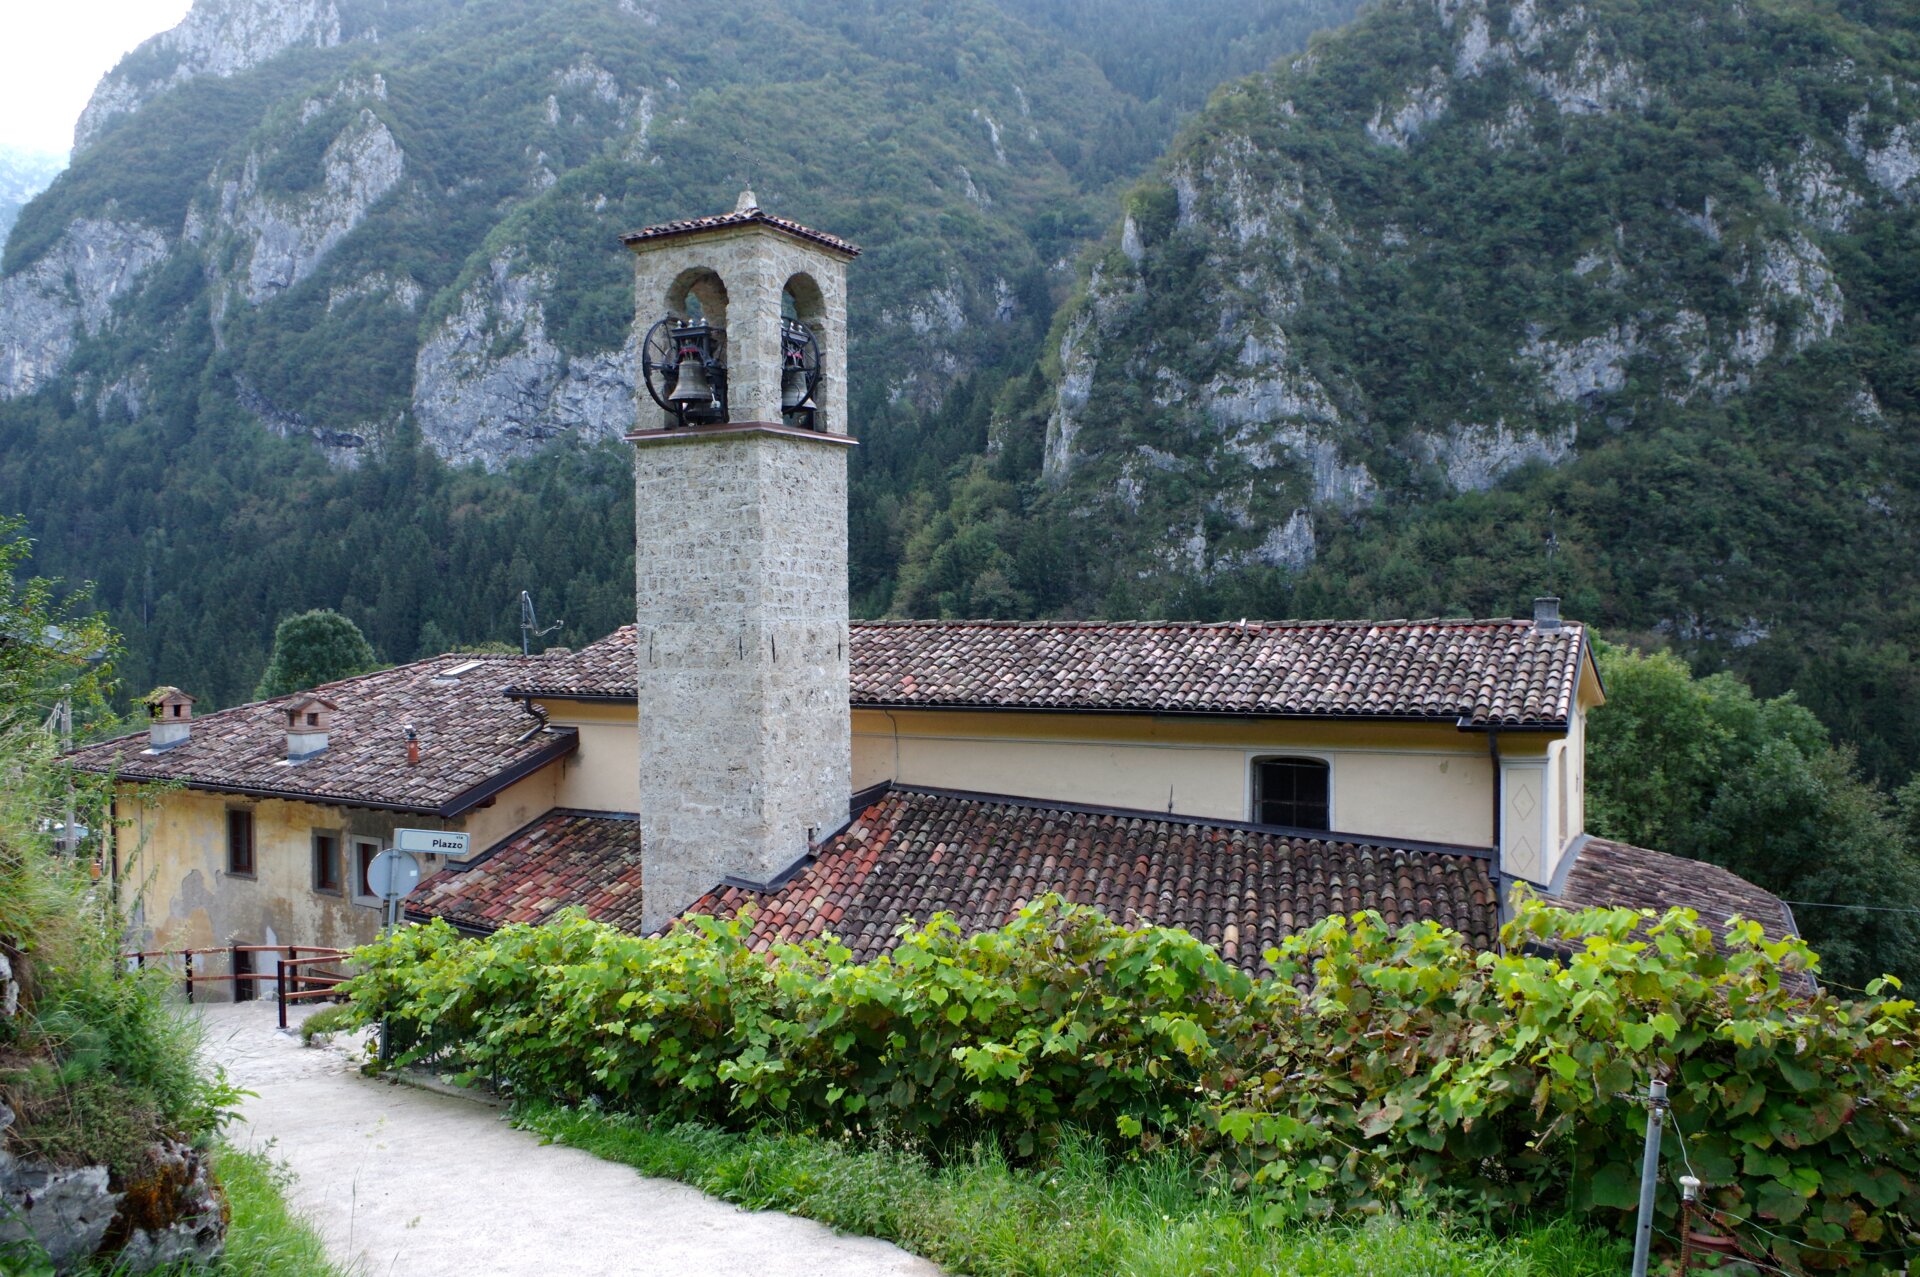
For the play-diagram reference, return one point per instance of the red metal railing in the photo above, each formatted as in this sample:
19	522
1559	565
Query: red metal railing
304	982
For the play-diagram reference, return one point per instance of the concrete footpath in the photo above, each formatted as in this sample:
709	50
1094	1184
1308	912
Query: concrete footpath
404	1181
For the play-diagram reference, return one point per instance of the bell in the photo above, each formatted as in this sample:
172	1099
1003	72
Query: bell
793	391
690	385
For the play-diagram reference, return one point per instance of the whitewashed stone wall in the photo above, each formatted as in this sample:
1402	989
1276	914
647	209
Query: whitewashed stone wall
741	648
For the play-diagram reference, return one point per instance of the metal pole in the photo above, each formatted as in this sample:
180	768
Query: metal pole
1649	1174
1689	1193
68	843
280	992
386	1047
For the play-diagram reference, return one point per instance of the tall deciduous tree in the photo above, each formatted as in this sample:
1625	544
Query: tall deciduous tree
1701	767
313	648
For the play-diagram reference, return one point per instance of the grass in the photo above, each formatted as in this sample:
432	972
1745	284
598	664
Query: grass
266	1239
1083	1213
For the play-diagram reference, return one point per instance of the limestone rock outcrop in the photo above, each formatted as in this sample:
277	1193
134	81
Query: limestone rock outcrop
490	384
70	291
284	239
217	37
1259	345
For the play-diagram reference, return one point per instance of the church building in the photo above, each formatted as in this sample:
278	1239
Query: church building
743	744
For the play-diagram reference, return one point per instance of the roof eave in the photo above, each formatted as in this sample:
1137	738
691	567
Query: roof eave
458	805
567	740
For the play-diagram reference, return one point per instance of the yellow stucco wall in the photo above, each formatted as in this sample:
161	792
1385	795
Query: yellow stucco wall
1404	780
603	774
1418	781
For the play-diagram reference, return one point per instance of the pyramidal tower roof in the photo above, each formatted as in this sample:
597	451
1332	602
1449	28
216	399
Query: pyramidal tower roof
746	212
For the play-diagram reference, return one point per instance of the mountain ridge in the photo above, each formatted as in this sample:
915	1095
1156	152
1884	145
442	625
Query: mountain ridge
400	252
1426	320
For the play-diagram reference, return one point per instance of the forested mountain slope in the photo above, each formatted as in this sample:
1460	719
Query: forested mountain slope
1632	281
301	237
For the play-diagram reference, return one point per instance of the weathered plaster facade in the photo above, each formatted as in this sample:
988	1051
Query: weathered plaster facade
1428	783
172	851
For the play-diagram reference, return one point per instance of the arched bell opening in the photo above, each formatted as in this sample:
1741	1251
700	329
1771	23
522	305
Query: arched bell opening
684	357
803	330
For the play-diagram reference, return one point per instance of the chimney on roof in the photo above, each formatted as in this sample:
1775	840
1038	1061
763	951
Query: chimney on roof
171	712
1546	614
309	719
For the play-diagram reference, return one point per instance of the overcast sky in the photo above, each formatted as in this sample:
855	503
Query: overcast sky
52	53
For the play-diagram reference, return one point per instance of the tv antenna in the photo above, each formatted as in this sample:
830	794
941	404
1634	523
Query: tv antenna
530	625
1553	544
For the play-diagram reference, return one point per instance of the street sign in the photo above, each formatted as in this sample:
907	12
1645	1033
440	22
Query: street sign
393	874
433	842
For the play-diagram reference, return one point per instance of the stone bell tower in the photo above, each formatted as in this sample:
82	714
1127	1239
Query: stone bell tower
740	475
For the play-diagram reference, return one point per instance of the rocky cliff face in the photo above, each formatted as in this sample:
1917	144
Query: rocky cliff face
68	294
218	38
281	241
1443	248
435	190
490	385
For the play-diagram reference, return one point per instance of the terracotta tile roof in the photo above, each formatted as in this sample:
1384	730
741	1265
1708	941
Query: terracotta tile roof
471	741
599	671
590	859
1501	673
739	217
917	852
1613	874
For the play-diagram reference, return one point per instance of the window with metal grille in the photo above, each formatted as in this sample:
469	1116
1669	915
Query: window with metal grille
1291	792
240	842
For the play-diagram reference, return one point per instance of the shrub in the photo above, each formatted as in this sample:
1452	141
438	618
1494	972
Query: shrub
1377	1068
1060	1015
326	1020
1419	1065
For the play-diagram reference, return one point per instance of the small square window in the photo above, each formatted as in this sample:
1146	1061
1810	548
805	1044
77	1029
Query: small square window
239	842
326	863
1292	792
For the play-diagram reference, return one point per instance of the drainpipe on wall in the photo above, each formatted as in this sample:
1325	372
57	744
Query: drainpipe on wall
113	851
1499	864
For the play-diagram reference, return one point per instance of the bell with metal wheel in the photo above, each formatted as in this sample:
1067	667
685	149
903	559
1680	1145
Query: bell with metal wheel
691	388
794	395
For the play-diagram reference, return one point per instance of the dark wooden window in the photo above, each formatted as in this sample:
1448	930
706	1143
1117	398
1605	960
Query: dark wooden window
240	842
326	863
363	856
1291	792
